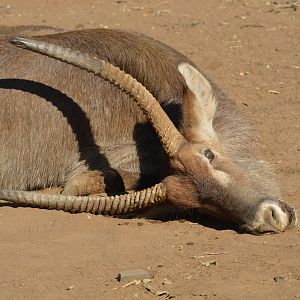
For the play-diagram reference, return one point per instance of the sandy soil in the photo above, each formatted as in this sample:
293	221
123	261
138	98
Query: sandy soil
252	49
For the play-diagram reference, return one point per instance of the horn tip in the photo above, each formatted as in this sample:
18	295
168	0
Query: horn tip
18	41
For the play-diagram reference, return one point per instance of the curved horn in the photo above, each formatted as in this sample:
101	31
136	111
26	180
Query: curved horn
170	137
112	205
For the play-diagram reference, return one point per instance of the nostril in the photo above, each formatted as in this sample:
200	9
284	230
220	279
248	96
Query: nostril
271	217
273	214
275	217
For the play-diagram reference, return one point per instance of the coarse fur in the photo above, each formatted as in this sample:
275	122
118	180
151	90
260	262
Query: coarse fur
59	122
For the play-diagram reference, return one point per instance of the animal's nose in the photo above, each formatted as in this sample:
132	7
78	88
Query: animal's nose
274	217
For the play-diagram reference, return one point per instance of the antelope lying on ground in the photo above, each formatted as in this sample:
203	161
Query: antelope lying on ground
187	146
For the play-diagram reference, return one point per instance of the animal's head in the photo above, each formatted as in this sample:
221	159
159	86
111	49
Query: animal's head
208	179
203	176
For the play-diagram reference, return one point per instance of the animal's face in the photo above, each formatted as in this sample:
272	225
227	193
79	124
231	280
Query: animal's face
223	190
208	180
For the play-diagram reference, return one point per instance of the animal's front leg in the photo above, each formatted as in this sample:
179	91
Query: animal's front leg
85	183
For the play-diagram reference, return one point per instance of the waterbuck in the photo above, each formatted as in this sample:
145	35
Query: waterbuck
157	132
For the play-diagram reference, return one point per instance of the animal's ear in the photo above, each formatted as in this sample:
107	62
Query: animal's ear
199	105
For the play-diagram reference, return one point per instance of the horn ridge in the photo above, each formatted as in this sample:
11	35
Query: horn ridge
111	205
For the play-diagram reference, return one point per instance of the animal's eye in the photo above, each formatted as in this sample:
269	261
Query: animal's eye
209	154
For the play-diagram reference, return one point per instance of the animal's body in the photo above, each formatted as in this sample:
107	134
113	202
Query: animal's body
60	124
56	119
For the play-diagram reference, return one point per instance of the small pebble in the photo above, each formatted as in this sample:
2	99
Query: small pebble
279	279
166	281
124	223
273	92
130	275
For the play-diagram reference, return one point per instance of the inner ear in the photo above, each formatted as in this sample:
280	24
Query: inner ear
199	104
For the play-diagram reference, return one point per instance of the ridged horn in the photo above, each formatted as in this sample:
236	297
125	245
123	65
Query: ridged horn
170	137
109	205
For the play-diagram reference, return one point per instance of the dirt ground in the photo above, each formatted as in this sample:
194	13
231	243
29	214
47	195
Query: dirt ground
252	49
